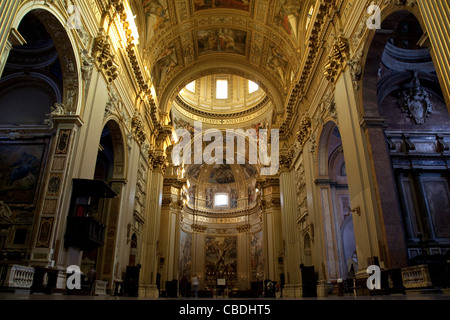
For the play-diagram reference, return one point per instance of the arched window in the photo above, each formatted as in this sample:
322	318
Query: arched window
221	200
222	89
191	87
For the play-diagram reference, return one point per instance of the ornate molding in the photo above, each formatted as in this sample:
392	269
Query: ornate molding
336	59
406	3
58	109
243	229
197	228
286	160
196	111
314	45
304	131
104	56
87	65
328	104
355	65
158	161
138	129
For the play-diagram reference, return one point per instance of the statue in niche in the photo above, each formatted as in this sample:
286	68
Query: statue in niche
415	102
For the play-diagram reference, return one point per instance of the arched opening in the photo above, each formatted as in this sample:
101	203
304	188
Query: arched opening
32	82
409	150
333	189
109	169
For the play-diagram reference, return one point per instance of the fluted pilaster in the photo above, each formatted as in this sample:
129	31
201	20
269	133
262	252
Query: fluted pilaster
436	15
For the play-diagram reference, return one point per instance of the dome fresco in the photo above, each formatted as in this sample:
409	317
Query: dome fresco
221	173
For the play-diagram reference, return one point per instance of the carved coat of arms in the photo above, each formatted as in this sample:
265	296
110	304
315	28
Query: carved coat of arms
415	102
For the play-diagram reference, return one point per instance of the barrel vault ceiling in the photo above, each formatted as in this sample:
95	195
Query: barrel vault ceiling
182	40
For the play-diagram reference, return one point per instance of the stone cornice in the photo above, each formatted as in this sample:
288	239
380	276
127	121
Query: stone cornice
313	49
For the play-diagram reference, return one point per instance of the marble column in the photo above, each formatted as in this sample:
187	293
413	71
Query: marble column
170	231
8	36
272	242
315	216
390	210
367	223
288	196
436	15
149	251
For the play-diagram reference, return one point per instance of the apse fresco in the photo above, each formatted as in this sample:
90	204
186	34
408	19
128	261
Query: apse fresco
20	166
233	198
257	256
221	257
221	174
184	262
249	170
221	40
251	194
191	193
223	4
209	198
194	171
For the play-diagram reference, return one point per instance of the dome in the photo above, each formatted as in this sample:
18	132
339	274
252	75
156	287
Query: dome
223	100
219	94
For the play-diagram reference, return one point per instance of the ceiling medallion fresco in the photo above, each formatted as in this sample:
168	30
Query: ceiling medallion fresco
221	40
222	4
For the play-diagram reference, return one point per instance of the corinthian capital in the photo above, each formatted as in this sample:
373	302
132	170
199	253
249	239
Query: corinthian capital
336	59
286	160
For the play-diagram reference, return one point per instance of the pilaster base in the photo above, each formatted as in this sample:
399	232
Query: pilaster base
292	291
148	291
322	289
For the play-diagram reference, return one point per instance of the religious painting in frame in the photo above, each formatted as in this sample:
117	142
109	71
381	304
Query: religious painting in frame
21	169
221	257
257	256
184	262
